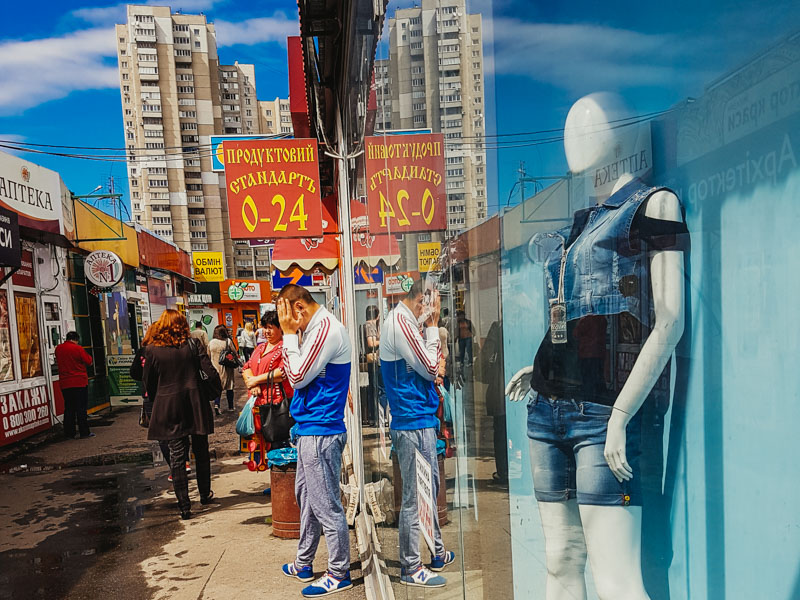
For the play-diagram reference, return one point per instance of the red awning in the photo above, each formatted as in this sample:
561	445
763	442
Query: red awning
308	253
368	248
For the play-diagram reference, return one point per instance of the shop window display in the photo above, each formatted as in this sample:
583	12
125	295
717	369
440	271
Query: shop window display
28	329
619	348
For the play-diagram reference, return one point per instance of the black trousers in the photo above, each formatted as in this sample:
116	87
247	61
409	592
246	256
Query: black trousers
76	401
179	450
229	394
500	446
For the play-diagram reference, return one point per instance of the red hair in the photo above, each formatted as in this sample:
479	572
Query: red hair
172	329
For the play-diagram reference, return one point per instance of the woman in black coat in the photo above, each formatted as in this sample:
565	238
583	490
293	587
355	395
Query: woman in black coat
181	408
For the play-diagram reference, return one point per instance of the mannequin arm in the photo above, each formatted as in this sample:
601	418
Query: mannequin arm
666	270
520	384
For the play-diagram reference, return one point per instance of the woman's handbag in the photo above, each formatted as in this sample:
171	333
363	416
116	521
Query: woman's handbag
228	357
208	382
276	420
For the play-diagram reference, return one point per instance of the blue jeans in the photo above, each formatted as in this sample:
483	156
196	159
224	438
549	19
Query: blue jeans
319	464
567	443
405	443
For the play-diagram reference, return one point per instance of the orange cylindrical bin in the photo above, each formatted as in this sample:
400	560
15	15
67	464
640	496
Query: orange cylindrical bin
285	512
441	499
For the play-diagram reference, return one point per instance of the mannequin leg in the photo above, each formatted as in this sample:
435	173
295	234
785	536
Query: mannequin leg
565	550
565	547
613	538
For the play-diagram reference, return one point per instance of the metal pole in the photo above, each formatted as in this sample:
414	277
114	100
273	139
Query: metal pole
349	301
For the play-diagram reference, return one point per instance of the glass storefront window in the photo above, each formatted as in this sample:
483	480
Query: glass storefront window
28	331
613	264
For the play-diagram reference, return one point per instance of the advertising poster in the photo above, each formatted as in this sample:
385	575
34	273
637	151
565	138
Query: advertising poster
116	324
6	358
23	413
273	188
207	317
405	183
30	356
123	390
208	266
425	505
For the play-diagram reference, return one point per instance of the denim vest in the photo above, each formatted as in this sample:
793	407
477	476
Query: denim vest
603	274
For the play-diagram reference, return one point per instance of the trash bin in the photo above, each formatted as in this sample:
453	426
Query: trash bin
285	511
441	499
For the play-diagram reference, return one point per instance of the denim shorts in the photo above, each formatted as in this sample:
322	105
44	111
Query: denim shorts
567	442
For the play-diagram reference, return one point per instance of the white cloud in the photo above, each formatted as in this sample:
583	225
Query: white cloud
583	57
109	15
36	71
257	30
13	138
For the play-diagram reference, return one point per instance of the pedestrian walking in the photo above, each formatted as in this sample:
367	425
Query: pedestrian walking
181	408
219	345
319	371
412	366
73	377
247	340
200	333
136	373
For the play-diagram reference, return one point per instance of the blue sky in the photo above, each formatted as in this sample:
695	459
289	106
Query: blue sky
546	55
59	65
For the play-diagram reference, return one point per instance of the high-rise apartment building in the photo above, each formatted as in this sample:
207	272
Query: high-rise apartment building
433	79
175	96
276	118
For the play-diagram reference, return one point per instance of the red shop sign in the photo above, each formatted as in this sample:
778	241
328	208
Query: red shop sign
405	183
273	188
23	413
24	275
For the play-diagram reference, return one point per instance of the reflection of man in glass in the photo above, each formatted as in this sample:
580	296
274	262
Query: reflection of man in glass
411	366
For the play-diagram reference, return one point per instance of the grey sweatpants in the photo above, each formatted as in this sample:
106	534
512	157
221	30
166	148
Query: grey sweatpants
319	462
405	443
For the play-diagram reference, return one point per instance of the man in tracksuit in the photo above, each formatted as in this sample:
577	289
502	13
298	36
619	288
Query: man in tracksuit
319	371
411	366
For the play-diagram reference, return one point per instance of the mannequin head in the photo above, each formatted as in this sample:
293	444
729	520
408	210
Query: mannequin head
594	132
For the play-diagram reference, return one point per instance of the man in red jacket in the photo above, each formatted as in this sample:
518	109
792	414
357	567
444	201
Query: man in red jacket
72	361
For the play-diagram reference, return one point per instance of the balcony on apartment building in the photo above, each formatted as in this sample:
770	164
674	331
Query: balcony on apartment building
144	35
148	73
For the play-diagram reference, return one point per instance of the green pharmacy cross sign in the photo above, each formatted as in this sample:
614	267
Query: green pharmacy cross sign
236	290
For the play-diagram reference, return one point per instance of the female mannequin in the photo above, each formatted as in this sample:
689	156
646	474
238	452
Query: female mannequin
610	534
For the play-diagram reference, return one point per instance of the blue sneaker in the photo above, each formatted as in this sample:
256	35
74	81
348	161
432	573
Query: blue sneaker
422	577
440	562
304	574
327	584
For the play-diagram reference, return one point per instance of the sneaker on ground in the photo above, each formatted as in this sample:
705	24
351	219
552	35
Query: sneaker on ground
422	577
304	574
327	584
440	562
